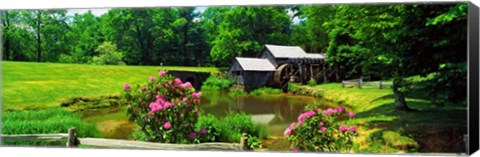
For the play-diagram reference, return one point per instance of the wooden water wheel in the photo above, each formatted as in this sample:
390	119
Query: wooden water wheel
282	75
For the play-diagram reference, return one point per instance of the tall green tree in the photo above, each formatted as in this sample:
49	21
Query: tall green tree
393	41
242	31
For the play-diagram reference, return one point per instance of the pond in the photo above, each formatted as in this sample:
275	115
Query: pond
275	111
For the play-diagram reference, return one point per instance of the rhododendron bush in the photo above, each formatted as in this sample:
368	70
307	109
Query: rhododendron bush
318	130
165	108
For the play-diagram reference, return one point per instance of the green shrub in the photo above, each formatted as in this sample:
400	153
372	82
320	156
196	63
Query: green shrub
216	82
266	90
312	82
48	121
108	55
230	128
237	92
390	142
165	108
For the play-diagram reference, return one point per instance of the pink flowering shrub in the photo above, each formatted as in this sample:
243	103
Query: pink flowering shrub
165	108
318	130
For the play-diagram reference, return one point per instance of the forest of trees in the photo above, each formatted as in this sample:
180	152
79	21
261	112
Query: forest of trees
384	41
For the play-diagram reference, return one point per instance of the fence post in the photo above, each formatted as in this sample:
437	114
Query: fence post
72	137
380	86
244	141
361	82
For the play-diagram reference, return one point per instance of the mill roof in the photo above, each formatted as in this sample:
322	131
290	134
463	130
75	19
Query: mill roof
255	64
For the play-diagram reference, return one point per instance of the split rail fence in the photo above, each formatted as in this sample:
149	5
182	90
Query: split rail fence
73	141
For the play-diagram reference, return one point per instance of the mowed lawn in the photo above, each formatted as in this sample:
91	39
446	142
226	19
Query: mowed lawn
29	85
435	129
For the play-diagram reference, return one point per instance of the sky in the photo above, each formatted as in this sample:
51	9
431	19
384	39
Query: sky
99	12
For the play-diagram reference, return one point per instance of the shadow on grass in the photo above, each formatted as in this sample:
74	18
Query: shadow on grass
435	129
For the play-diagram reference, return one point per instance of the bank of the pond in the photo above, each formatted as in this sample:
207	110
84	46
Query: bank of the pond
275	111
384	129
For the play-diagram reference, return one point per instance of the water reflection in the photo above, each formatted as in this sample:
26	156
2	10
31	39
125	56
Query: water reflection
276	111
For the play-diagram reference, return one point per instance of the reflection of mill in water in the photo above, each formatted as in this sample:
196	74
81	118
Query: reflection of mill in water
270	111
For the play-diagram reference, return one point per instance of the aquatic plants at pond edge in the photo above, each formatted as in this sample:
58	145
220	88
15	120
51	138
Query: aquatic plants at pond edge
318	130
47	121
165	108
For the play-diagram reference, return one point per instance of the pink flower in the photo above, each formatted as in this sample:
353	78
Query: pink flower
152	78
167	125
352	129
342	128
196	95
177	81
340	109
351	114
289	130
126	86
185	85
183	99
144	89
322	123
295	149
162	73
168	104
192	135
203	131
329	112
306	115
324	129
187	107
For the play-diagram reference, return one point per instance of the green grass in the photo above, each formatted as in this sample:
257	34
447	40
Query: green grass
266	90
230	127
376	112
28	85
48	121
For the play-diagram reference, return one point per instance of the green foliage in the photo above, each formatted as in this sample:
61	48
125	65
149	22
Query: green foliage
319	130
165	109
48	121
242	31
237	92
312	82
266	90
108	55
217	82
231	127
391	141
253	142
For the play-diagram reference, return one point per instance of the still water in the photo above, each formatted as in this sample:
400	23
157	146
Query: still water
275	111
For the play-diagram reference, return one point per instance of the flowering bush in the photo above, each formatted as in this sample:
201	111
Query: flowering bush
318	130
165	109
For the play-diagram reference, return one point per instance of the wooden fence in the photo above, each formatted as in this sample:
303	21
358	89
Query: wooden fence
73	141
363	82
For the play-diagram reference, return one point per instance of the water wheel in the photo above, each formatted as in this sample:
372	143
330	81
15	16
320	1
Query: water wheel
282	76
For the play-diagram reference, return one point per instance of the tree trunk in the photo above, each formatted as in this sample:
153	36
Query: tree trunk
400	94
39	37
6	26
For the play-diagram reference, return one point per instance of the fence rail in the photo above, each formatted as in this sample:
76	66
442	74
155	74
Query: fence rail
73	141
363	82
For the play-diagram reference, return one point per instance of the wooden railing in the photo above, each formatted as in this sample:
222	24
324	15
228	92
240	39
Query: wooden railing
73	141
363	82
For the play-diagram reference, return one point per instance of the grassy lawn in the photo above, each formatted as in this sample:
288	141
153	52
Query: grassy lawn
41	85
435	129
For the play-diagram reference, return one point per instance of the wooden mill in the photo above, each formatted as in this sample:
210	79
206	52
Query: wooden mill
275	66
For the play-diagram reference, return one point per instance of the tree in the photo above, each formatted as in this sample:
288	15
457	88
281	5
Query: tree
242	31
108	55
392	41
